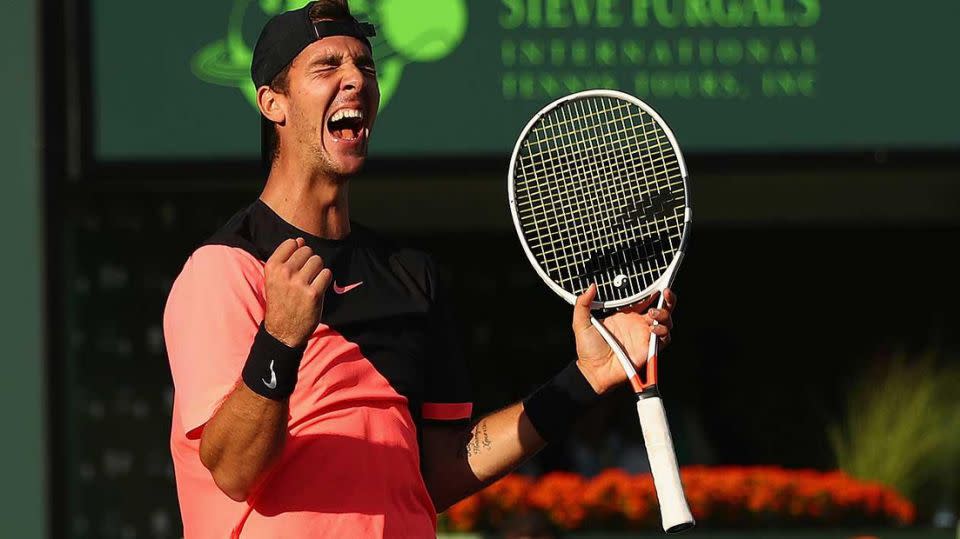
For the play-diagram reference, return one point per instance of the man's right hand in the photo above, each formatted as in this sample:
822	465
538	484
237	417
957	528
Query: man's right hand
295	282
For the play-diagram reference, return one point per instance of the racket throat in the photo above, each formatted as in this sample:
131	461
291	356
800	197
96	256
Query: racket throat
646	386
648	392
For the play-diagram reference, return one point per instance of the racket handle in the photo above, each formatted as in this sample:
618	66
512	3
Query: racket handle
674	511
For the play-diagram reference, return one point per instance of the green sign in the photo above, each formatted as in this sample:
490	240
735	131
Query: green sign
462	77
404	37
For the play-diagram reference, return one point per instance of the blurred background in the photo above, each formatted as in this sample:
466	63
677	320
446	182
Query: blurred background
815	355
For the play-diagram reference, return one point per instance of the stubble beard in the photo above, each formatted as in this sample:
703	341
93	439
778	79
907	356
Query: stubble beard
320	159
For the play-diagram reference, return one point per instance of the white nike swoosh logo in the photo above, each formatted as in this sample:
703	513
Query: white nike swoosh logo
272	384
344	289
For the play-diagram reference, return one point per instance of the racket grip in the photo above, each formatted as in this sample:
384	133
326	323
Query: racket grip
674	511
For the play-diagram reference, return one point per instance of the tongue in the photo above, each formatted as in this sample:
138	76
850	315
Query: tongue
346	133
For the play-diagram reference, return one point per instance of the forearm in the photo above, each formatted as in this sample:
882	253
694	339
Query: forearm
244	436
499	442
242	439
468	459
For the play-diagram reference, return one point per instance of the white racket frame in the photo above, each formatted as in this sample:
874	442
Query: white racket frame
661	282
674	510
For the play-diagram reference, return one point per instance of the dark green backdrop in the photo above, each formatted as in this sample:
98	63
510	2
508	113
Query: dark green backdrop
23	408
760	75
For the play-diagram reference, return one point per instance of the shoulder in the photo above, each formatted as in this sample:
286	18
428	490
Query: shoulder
214	272
224	262
240	232
218	291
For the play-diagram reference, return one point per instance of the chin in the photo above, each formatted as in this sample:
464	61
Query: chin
342	166
346	156
350	167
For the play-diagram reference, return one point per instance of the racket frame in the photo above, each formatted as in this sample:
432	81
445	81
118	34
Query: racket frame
666	278
674	510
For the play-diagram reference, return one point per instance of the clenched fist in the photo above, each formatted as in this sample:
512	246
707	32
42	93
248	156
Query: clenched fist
295	282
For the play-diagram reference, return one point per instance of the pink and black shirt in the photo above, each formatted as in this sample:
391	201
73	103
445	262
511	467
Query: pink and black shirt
380	364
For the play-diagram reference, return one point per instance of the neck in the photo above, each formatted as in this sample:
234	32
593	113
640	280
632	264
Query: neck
311	201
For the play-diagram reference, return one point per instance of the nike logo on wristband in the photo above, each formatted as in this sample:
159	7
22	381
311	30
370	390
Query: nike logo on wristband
344	289
272	384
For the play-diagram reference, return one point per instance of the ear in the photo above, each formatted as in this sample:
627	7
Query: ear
273	105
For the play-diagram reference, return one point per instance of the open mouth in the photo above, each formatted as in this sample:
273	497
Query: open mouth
346	124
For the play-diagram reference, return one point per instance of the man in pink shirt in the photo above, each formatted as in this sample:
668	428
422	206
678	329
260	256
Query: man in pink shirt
317	389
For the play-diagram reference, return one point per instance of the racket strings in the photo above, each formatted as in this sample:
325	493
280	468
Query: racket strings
589	150
600	196
647	169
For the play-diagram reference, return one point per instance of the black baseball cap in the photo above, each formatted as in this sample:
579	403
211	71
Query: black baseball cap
287	34
282	39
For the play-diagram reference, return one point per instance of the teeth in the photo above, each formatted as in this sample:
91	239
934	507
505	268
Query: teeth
346	113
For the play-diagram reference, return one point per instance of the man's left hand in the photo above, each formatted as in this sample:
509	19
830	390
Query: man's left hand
631	327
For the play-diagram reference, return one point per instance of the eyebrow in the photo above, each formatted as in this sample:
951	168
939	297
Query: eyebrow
336	58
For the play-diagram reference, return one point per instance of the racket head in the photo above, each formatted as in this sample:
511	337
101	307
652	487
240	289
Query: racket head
598	192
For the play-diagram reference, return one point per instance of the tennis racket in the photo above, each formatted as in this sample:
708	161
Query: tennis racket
598	193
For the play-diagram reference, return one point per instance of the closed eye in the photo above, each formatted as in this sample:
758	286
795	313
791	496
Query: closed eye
365	63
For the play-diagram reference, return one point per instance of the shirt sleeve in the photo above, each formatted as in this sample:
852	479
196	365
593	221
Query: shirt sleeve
210	320
447	395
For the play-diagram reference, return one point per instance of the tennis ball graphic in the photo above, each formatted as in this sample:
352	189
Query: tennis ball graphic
276	7
408	31
423	30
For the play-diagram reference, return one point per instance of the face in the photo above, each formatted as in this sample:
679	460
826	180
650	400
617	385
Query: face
331	105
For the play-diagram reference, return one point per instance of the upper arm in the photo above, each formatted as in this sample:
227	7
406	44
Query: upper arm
211	318
441	440
447	393
446	470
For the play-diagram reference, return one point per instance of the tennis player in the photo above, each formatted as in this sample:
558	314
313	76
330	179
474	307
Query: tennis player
318	390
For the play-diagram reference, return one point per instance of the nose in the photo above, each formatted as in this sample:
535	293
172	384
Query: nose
353	80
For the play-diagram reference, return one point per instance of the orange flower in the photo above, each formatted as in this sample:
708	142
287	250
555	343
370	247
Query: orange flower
605	495
505	498
718	496
560	496
898	508
511	491
615	496
463	516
